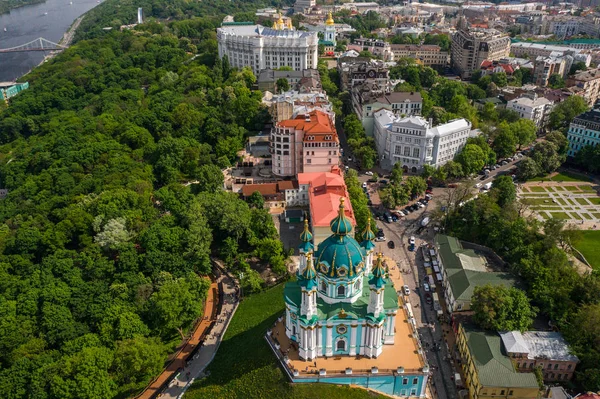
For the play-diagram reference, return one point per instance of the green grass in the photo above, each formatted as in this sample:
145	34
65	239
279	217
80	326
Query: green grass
582	201
594	200
589	247
245	366
587	216
538	201
537	189
559	215
537	195
596	215
572	188
575	215
545	208
544	215
560	201
564	176
589	189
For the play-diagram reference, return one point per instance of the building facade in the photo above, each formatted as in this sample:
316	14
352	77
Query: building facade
427	54
583	131
413	142
290	104
258	47
304	80
589	82
553	64
532	107
487	372
366	103
358	70
307	143
547	350
470	48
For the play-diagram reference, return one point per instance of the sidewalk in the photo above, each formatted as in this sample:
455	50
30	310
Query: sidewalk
209	345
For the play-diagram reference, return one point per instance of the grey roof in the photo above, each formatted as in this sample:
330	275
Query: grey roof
513	342
548	345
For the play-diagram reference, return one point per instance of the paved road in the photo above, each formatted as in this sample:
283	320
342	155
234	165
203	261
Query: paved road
206	354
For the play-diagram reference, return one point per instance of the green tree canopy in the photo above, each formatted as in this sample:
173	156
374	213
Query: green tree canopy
499	308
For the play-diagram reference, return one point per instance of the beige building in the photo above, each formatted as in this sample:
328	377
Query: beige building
427	54
589	82
291	103
471	47
307	143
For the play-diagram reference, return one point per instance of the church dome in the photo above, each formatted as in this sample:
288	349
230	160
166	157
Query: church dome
368	236
306	238
340	255
329	19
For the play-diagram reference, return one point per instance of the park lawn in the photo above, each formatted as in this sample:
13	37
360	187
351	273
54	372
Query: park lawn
575	215
572	188
561	201
587	216
596	215
545	208
538	201
594	200
582	201
587	188
589	247
537	189
544	215
563	176
245	366
559	215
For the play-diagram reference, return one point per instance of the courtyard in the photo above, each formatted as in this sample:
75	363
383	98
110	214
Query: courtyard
575	202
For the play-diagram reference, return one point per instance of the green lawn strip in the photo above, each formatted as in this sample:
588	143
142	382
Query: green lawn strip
538	201
582	201
537	189
559	215
589	247
575	215
587	188
594	200
561	201
245	366
572	188
544	215
587	216
545	208
596	215
563	176
535	195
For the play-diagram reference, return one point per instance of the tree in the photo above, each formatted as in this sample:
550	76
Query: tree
471	158
415	185
210	178
545	154
500	79
256	200
397	172
577	66
560	140
282	85
556	81
505	142
138	359
525	131
563	113
428	171
453	169
527	169
499	308
504	190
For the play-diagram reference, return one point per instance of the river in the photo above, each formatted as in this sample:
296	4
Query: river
49	20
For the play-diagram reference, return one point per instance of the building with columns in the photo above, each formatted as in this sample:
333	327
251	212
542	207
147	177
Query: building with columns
343	304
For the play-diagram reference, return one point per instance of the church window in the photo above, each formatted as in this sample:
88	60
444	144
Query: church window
415	381
323	286
341	345
341	291
357	285
405	381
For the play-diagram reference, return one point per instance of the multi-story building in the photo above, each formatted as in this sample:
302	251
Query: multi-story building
366	103
462	270
303	6
589	82
427	54
554	64
561	26
532	50
471	47
583	131
532	107
357	70
376	47
413	142
307	143
304	80
487	372
290	104
547	350
258	47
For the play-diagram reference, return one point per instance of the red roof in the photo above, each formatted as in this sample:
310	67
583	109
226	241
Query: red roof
326	190
263	189
318	122
589	395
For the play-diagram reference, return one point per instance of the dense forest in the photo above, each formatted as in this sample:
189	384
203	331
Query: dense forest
104	250
7	5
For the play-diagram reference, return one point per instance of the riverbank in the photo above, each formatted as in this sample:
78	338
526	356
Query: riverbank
6	6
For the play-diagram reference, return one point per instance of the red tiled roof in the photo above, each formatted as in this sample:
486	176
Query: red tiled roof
263	189
287	185
319	122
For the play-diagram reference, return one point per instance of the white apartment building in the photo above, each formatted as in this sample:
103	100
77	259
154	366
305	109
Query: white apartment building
413	142
400	103
307	143
258	47
533	50
534	108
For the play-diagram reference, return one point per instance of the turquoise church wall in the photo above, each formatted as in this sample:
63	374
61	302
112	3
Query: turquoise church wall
388	384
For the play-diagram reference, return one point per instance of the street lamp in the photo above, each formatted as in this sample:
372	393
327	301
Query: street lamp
241	285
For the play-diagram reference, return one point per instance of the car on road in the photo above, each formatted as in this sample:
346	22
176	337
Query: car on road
428	299
406	290
364	185
369	173
411	240
408	210
382	238
420	204
426	287
391	245
452	185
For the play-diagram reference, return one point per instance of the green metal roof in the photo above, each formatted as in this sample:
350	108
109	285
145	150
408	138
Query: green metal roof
237	23
326	43
494	369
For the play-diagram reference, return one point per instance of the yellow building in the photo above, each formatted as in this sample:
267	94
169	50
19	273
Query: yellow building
487	372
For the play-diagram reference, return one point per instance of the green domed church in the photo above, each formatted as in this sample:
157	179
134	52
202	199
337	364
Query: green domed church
342	302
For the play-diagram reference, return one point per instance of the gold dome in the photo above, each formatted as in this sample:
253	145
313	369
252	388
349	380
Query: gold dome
329	20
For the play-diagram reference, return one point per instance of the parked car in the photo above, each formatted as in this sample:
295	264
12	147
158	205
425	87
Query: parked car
408	210
406	290
428	299
380	233
380	238
364	185
428	196
420	204
391	245
369	173
451	185
428	191
411	240
382	181
426	287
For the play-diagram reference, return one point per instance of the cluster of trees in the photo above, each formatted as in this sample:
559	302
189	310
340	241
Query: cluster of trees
545	157
362	23
490	83
588	158
400	191
102	246
499	308
6	6
563	113
359	202
363	147
536	254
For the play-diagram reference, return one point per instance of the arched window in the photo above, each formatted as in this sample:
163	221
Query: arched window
323	286
341	345
293	330
357	285
341	291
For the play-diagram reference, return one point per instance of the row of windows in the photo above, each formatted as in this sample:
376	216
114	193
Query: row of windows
406	152
330	144
585	132
407	139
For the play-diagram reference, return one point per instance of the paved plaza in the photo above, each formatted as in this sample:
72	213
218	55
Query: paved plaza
575	202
